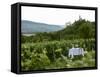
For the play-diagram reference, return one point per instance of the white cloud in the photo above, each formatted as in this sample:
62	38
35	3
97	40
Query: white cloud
55	15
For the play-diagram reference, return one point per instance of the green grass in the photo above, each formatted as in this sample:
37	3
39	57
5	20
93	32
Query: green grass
54	55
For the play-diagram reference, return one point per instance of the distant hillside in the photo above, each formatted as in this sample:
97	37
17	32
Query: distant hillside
80	29
29	27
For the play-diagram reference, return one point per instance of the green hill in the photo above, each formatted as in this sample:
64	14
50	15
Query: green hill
77	30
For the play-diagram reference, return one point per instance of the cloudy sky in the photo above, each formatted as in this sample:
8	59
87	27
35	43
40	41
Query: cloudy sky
55	15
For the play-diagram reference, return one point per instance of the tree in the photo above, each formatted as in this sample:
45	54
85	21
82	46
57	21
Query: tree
85	30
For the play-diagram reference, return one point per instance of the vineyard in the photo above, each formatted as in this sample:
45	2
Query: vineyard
49	50
54	54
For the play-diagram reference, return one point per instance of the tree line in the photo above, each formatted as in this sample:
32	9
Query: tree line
80	29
